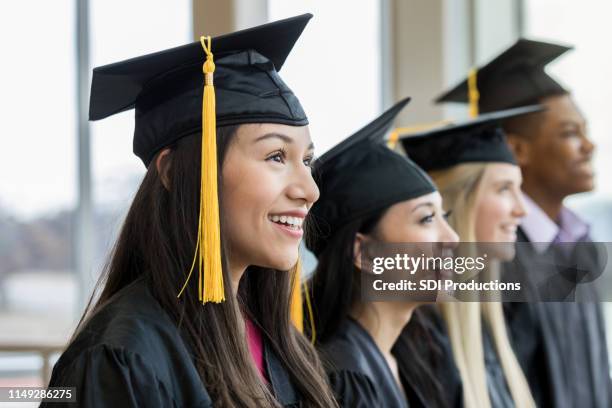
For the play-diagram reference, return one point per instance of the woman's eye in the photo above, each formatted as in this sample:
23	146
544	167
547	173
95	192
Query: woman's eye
427	219
278	157
308	161
448	214
504	188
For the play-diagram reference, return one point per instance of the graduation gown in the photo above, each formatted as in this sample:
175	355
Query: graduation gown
425	360
560	345
359	374
429	339
130	354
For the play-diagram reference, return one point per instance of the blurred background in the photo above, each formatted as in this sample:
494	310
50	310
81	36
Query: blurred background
65	184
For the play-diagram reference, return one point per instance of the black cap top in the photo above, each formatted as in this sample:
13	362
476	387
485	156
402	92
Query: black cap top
166	87
477	140
514	78
361	176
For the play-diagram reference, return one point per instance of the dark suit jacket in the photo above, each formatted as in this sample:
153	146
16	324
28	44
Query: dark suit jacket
560	345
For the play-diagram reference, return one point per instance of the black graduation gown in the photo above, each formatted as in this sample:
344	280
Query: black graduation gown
359	374
131	354
423	350
560	345
429	338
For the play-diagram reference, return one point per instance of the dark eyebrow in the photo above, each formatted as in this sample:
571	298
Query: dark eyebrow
282	137
423	205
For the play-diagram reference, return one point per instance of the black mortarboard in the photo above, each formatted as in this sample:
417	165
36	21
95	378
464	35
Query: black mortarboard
361	176
514	78
228	80
166	87
476	140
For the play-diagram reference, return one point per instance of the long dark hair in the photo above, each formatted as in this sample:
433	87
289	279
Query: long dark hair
157	243
335	287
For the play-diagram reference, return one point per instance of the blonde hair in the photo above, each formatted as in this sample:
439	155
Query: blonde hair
460	187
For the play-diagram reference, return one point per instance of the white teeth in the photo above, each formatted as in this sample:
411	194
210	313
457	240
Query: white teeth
295	222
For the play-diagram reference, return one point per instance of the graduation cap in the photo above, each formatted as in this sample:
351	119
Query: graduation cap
514	78
476	140
361	176
228	80
166	87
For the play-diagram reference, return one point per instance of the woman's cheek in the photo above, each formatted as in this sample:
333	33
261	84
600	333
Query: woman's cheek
487	218
420	233
426	234
507	207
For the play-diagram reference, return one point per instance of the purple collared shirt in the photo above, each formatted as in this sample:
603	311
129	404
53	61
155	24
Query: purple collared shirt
542	231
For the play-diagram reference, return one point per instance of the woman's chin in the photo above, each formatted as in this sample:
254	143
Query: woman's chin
283	262
504	251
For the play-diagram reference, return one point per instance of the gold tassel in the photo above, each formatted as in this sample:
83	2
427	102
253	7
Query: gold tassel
297	313
313	331
473	94
208	246
409	130
393	138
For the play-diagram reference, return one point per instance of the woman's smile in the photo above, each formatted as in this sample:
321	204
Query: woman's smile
289	222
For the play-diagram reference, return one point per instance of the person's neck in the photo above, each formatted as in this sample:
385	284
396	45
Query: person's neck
551	204
384	321
236	270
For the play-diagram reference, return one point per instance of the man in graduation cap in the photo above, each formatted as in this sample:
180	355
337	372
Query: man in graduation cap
554	153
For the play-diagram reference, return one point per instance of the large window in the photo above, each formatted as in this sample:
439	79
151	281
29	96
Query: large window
37	182
335	67
39	297
121	30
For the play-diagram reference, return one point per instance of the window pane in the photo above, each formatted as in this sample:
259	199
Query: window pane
120	30
335	67
38	182
38	287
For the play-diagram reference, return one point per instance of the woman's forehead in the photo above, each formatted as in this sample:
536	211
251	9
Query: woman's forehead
256	132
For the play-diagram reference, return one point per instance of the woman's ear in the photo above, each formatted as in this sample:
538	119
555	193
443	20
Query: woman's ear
357	247
162	163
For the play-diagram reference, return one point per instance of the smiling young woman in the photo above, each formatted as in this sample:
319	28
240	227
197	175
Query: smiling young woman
156	336
268	166
369	194
478	177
